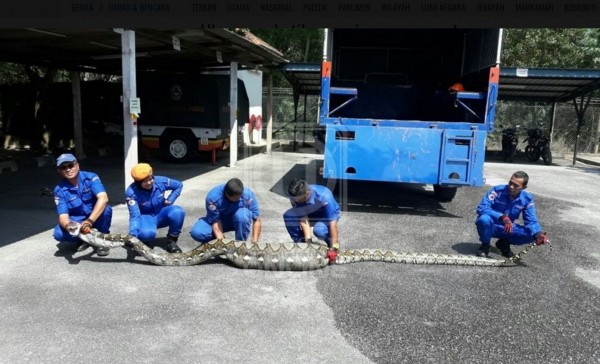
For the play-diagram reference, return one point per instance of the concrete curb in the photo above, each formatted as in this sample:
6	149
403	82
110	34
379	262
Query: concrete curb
594	162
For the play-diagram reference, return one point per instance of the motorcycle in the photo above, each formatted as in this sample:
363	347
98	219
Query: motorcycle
538	145
509	143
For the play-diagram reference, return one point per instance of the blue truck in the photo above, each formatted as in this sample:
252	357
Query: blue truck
409	105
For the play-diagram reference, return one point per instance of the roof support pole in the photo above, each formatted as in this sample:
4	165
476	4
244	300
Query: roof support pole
580	110
77	128
270	114
233	111
305	111
296	99
597	135
304	121
552	121
129	92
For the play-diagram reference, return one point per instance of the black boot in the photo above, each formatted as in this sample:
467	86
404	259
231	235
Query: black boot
504	246
484	251
172	246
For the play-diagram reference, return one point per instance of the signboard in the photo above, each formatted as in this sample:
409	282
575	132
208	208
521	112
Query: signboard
135	107
176	43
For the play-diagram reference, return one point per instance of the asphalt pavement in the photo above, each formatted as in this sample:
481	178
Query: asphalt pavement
58	307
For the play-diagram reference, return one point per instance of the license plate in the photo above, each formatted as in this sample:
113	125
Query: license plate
204	141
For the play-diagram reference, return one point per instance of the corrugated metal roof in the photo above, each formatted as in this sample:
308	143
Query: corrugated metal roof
546	84
99	50
305	78
517	84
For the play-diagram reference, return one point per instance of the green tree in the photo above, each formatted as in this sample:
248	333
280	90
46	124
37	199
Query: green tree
551	48
296	45
11	73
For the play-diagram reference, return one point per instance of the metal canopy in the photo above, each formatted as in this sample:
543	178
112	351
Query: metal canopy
112	51
545	84
305	78
99	50
516	84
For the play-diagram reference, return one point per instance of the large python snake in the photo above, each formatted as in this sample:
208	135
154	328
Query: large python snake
284	256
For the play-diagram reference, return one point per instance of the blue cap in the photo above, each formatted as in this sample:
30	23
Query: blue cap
64	158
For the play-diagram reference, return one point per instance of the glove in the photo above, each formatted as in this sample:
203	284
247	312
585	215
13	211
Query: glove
331	255
508	225
541	238
72	228
86	226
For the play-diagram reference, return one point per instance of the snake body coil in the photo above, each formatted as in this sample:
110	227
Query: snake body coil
283	256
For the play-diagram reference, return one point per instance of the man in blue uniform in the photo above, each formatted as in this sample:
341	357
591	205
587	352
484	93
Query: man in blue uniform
498	211
81	202
150	207
229	207
313	206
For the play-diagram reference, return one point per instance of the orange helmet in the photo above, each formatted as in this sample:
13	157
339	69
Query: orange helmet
141	171
457	87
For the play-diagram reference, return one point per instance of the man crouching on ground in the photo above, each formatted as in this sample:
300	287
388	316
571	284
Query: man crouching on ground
498	211
81	201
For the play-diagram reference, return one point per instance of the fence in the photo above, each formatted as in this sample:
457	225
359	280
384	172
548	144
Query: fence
563	132
286	124
508	113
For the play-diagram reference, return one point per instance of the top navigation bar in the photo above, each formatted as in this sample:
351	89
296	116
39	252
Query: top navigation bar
307	14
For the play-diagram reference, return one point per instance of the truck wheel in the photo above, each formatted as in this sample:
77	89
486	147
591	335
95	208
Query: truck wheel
178	148
443	193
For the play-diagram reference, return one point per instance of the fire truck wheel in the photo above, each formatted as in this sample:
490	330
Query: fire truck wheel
178	148
444	193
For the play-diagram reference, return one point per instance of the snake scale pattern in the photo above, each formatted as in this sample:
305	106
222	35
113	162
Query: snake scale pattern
284	256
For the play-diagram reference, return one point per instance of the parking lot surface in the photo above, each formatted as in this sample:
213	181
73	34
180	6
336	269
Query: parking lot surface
57	307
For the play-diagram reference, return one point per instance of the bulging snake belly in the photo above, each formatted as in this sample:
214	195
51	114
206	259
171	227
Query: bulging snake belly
284	256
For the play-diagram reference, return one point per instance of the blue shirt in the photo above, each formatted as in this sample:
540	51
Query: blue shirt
150	202
218	207
78	201
496	202
319	204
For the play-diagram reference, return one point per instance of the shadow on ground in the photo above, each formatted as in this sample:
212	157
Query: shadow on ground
368	196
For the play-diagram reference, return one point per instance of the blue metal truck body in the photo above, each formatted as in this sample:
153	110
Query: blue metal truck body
388	112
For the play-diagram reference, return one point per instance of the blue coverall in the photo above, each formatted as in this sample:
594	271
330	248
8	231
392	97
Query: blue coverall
148	212
495	203
320	207
234	216
78	202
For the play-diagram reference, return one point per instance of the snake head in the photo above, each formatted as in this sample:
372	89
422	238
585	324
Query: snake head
73	228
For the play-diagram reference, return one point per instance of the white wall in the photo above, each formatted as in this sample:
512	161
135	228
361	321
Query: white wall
253	80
